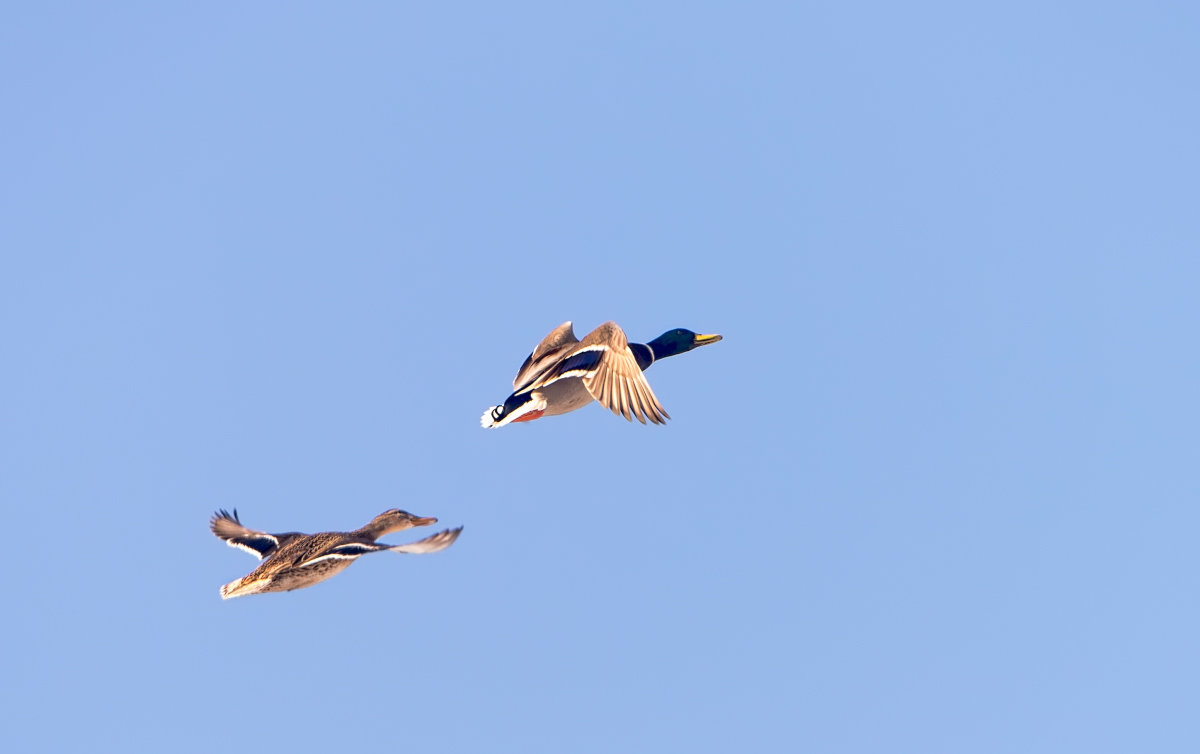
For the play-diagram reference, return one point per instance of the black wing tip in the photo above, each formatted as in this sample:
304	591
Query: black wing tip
224	514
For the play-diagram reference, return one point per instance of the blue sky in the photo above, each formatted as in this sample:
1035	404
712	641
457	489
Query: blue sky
934	492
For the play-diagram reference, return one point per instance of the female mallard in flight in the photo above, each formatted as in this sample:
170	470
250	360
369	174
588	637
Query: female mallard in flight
564	373
295	560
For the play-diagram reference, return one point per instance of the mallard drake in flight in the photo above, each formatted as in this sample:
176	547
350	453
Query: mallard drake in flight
294	560
564	373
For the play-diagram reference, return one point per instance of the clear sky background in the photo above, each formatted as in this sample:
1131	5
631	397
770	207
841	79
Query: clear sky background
936	491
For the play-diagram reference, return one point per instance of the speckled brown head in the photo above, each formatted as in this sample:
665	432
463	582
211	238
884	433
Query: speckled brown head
393	520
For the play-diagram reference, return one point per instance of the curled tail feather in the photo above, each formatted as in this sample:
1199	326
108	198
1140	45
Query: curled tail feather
523	407
490	417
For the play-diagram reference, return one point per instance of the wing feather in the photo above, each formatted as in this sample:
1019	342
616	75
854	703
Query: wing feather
545	355
433	543
348	551
617	381
229	528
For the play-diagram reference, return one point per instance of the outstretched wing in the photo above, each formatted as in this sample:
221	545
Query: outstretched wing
545	354
434	543
258	543
611	374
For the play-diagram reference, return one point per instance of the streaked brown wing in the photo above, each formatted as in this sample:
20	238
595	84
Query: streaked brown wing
559	338
617	382
258	543
434	543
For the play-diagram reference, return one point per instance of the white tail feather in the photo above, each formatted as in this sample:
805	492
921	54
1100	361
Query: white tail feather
486	421
237	589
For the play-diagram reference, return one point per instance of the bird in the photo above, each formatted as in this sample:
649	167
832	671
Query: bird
564	373
294	560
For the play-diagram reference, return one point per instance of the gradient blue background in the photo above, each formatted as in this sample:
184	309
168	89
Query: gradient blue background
936	491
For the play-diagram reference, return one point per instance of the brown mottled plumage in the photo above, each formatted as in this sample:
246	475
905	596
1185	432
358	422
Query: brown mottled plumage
294	560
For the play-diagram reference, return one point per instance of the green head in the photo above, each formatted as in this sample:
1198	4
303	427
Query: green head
678	341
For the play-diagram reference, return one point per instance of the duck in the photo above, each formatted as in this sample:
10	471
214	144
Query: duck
294	560
563	374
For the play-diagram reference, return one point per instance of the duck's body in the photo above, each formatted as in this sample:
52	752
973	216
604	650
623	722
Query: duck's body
294	560
564	373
